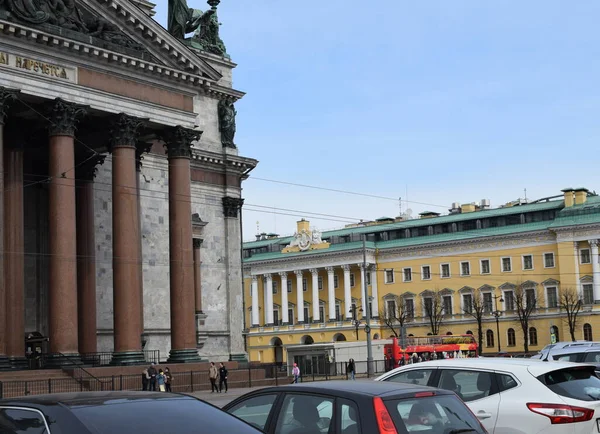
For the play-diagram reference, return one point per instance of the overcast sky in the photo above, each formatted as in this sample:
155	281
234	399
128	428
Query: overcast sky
430	101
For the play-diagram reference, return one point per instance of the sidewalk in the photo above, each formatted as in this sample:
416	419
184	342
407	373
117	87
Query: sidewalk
220	399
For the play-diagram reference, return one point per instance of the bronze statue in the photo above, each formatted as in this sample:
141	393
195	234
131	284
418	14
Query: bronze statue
227	114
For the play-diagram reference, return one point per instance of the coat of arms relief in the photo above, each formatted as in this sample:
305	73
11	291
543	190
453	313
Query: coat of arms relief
306	239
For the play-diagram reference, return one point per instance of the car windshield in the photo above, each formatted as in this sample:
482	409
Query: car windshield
432	415
576	383
160	416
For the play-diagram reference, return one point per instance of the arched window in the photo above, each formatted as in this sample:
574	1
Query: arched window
489	339
448	333
554	331
587	332
512	340
532	336
469	332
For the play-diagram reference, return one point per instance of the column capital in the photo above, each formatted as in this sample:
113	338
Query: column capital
593	243
124	131
197	243
298	273
346	268
141	148
86	170
268	276
330	270
576	245
254	278
178	141
283	274
7	96
64	117
231	206
314	271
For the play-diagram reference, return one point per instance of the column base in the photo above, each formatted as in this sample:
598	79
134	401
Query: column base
59	361
128	358
241	357
184	356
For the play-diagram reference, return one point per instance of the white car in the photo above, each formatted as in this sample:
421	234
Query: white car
516	396
545	352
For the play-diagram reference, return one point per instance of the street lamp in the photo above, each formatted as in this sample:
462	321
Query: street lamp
355	321
496	313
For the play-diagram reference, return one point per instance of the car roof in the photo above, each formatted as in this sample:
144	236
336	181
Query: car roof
90	398
358	387
576	349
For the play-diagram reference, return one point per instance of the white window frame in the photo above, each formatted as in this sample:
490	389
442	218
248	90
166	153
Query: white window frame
555	287
461	268
291	315
492	307
553	259
506	298
387	302
449	271
502	264
423	307
481	266
423	274
404	279
409	315
275	286
444	297
462	302
385	274
590	286
290	288
338	309
523	262
279	319
581	256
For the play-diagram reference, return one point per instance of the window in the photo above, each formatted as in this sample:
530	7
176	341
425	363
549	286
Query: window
304	285
338	312
585	256
291	316
16	421
530	297
447	305
407	274
574	383
336	281
348	415
276	316
506	382
485	266
352	280
428	306
528	262
353	311
409	307
294	404
306	315
509	300
467	303
587	332
552	297
320	283
588	293
425	272
533	336
465	269
289	286
414	376
389	276
512	339
445	270
275	285
391	308
462	382
487	302
489	339
548	260
506	265
322	313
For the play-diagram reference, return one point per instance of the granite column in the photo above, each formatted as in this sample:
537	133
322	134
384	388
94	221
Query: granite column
63	325
183	318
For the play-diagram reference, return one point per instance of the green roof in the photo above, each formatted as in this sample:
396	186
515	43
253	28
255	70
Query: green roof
332	248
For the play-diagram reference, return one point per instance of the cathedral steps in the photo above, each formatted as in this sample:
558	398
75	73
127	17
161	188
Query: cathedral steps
36	382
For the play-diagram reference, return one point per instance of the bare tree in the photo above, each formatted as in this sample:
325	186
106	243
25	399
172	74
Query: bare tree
525	304
395	319
434	310
569	301
477	310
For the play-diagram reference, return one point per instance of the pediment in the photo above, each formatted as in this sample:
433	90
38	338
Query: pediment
466	290
115	26
507	286
586	279
486	287
529	284
390	296
447	291
550	282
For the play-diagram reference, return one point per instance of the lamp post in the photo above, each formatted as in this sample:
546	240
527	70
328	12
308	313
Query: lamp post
355	321
496	313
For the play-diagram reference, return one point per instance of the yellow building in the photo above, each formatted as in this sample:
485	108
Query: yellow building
518	270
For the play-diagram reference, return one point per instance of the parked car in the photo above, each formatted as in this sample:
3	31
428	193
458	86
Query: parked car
550	348
589	355
116	413
355	407
517	396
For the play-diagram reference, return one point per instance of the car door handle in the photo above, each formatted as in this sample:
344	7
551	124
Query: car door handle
483	415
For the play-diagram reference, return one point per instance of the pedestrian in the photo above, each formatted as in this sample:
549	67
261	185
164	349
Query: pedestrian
212	375
152	374
350	369
145	379
295	373
222	377
168	379
160	380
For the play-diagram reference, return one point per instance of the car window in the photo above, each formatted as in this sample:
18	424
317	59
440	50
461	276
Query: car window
349	417
469	385
506	382
413	376
567	357
576	383
17	421
432	415
255	410
305	414
592	357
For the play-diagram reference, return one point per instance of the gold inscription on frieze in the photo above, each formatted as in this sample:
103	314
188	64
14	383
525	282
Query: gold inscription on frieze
41	67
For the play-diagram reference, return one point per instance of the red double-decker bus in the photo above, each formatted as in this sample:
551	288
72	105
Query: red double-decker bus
428	347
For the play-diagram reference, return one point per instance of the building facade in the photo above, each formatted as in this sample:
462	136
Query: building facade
516	274
120	215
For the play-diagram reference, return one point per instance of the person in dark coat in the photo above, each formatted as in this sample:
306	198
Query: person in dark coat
350	369
222	377
152	373
168	379
145	379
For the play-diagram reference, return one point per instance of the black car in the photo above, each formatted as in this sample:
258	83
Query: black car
355	407
115	413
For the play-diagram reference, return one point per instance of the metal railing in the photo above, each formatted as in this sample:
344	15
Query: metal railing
92	360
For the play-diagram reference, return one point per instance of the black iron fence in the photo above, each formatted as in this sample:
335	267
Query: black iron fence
254	375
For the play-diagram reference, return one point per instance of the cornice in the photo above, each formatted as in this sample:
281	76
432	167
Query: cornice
213	160
321	260
576	232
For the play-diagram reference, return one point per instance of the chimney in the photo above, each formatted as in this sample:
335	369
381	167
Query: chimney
569	197
467	207
580	196
303	225
485	204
